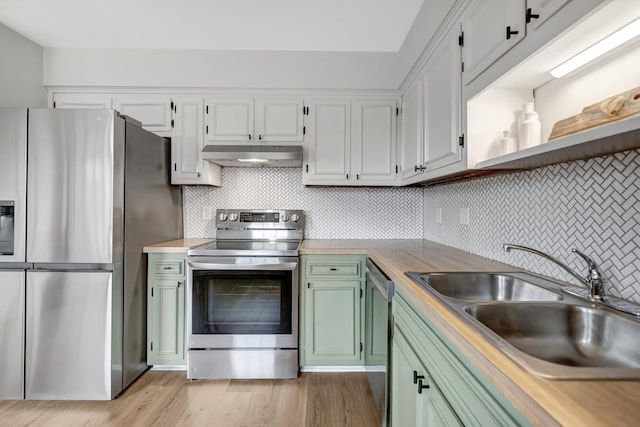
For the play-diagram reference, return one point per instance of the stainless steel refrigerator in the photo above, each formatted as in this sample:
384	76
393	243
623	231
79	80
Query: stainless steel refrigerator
81	192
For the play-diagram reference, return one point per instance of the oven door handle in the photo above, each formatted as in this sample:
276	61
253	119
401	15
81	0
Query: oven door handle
253	266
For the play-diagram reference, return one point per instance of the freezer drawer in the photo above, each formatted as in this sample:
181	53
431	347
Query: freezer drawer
69	337
11	334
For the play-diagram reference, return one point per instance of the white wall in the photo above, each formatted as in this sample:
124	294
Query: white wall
21	71
219	69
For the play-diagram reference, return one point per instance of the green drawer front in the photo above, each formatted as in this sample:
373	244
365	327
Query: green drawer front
347	269
169	267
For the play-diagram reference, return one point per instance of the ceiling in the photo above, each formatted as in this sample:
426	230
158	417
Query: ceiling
280	25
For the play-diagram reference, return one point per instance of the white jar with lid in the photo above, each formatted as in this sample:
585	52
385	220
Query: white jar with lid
528	127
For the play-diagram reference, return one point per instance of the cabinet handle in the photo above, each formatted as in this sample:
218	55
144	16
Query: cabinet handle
333	269
347	176
418	168
421	386
357	176
199	174
249	137
417	377
179	283
259	137
531	16
511	33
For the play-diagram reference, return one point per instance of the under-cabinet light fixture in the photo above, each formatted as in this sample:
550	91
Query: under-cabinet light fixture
253	160
605	45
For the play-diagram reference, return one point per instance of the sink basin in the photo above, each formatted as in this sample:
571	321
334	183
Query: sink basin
559	340
484	287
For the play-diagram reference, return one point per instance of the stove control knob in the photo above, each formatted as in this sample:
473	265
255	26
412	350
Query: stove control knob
295	217
284	217
233	217
222	217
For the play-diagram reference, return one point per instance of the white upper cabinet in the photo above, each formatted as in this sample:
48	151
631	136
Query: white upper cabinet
411	146
279	120
442	86
490	28
81	100
249	120
187	141
152	110
373	142
327	148
539	11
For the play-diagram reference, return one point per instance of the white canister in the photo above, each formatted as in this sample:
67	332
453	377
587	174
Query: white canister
529	130
508	144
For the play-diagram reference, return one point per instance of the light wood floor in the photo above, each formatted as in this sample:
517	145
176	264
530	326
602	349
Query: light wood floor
169	399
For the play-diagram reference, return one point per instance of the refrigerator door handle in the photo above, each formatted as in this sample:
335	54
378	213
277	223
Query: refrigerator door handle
52	266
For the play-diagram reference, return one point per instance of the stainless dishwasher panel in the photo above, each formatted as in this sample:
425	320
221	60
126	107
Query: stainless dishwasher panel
379	292
69	336
11	334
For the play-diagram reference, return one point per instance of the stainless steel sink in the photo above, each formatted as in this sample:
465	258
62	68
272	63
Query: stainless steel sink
557	340
484	287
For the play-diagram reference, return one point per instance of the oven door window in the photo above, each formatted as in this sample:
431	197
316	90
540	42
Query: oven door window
241	302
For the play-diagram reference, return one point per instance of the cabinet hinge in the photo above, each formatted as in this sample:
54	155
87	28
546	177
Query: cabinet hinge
54	104
361	347
151	291
151	346
304	130
396	168
307	168
461	140
397	111
172	105
206	129
360	292
462	67
172	123
461	39
207	109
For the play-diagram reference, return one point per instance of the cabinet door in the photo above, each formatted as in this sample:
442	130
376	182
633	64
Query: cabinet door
412	405
166	321
411	147
229	119
491	28
153	111
442	104
328	143
81	100
187	141
538	11
332	324
279	120
373	143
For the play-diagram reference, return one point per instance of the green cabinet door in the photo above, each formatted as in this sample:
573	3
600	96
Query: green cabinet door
376	318
415	398
331	310
166	310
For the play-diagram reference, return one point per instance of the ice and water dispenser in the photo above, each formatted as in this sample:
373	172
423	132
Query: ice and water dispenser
6	227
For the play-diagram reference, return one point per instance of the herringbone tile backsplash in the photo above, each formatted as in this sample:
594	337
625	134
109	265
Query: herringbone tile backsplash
590	205
331	213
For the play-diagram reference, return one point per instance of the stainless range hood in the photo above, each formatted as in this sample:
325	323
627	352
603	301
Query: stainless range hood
279	156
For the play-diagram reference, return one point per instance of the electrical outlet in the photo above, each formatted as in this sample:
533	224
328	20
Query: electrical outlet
438	215
206	213
464	216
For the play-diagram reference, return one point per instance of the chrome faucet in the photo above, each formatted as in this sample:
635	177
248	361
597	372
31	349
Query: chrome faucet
594	280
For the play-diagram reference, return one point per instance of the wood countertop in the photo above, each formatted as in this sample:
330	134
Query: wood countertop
180	246
543	402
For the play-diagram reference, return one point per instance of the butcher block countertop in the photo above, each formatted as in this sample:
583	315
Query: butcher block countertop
180	246
543	402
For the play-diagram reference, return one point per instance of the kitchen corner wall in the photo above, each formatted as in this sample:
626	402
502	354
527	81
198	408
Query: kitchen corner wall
590	205
331	212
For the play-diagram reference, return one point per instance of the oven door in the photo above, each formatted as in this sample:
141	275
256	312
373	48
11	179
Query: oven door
242	302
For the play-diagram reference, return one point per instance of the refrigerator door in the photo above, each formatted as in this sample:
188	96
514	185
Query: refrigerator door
69	337
13	183
75	186
11	334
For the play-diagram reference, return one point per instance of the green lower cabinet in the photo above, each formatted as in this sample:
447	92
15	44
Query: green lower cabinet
416	400
376	340
331	310
464	395
166	309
